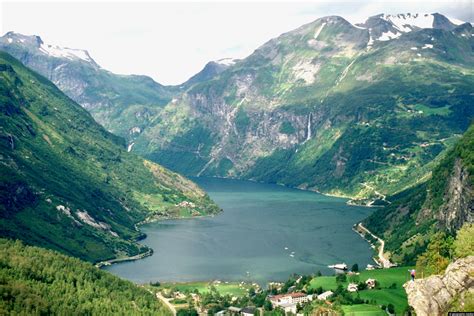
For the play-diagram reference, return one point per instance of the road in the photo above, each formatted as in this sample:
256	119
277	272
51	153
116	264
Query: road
384	262
166	302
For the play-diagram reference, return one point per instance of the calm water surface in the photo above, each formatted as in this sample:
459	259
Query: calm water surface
248	240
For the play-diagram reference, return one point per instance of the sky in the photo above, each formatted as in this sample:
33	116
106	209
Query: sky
171	41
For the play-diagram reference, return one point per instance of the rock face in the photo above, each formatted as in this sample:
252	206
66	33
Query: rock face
459	203
432	296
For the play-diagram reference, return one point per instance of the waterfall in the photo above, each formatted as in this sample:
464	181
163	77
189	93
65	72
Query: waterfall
308	132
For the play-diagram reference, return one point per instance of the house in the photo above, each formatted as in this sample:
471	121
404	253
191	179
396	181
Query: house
220	313
352	287
370	283
234	310
289	307
248	311
324	296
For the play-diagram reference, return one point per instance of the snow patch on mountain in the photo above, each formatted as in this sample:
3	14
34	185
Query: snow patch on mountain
386	36
64	52
406	22
226	61
455	21
318	31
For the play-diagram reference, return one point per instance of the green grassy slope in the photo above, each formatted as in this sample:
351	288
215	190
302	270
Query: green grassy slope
36	281
68	184
388	293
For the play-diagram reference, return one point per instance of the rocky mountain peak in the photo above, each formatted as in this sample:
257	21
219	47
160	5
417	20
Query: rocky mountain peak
21	39
35	44
210	70
384	27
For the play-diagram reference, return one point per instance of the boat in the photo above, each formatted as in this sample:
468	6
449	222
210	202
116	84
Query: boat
339	266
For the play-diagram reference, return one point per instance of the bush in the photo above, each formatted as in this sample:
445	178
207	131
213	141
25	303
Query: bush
341	278
391	308
355	268
464	242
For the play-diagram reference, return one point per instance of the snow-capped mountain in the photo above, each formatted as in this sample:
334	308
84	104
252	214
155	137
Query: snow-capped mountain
384	27
37	45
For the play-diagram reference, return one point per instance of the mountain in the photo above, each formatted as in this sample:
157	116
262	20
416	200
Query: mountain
330	107
68	184
122	104
384	27
210	70
36	281
444	203
362	111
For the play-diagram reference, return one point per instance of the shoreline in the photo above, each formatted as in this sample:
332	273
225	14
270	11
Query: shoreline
382	261
110	262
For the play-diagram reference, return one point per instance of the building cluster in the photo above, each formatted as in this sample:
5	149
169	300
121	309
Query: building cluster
288	302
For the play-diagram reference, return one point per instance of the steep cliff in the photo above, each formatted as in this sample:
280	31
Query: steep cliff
435	295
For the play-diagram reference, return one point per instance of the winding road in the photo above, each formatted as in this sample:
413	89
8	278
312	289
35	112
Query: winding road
384	262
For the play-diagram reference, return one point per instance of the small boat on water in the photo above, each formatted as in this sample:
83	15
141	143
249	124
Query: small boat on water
339	266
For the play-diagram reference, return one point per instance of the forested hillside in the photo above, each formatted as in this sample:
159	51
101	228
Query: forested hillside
36	281
68	184
442	204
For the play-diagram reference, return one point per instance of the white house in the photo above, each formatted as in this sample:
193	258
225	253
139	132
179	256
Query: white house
324	296
288	307
370	283
352	287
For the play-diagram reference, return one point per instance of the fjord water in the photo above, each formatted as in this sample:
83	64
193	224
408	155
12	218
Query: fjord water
248	240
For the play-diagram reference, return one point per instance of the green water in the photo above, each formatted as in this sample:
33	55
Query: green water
248	240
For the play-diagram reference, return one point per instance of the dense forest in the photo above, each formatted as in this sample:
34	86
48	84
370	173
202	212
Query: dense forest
36	281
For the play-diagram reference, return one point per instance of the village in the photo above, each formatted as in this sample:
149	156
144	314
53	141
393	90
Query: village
299	295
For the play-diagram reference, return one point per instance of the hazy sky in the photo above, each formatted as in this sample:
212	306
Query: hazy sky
171	41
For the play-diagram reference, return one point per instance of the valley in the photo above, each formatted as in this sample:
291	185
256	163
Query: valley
234	191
